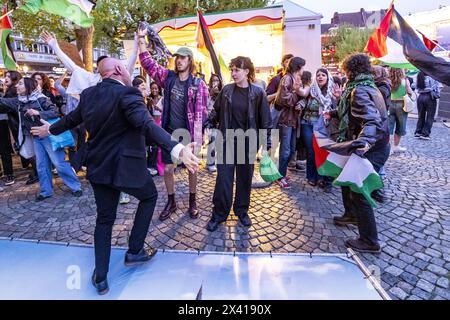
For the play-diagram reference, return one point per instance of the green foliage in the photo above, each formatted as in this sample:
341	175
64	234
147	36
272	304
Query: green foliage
116	19
349	39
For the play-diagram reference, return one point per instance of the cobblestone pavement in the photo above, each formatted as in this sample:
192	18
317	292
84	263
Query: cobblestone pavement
414	223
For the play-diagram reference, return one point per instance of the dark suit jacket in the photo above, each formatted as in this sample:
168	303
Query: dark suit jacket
118	123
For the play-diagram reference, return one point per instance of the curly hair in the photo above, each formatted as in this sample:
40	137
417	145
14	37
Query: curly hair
396	75
244	63
356	64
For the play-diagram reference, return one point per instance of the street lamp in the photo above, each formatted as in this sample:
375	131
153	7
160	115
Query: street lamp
25	69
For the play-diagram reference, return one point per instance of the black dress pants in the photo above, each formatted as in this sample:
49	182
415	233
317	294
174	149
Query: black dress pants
107	199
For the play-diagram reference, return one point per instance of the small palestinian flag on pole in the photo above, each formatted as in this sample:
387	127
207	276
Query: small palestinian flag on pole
205	44
7	53
396	44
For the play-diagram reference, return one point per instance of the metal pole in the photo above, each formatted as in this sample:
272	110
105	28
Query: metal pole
369	275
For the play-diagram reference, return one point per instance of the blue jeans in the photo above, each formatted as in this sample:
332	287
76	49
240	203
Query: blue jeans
45	156
397	118
307	131
287	147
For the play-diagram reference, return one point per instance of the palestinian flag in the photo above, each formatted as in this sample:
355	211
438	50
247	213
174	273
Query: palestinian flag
77	11
205	44
350	171
7	53
396	44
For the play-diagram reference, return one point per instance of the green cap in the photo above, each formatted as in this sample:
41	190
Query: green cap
184	52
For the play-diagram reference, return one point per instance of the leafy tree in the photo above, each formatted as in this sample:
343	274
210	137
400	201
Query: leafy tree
347	39
116	19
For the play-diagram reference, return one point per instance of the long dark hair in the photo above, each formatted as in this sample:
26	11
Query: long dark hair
45	80
295	64
159	89
11	90
30	85
421	80
213	75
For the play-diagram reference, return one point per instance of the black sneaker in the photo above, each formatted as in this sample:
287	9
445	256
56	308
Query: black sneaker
32	180
143	256
40	198
417	135
345	220
77	193
361	246
425	137
9	180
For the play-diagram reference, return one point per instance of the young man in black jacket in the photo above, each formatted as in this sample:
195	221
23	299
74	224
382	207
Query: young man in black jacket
239	112
116	159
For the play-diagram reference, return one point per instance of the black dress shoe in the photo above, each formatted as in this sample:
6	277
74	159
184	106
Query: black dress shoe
378	196
171	207
361	246
143	256
40	198
345	220
32	180
245	220
102	286
77	193
213	225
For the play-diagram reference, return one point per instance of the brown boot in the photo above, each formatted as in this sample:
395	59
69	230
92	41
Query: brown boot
170	208
193	212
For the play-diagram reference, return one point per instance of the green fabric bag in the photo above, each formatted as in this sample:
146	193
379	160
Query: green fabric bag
268	170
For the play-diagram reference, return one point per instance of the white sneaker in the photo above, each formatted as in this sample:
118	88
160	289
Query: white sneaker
212	168
152	171
124	198
401	149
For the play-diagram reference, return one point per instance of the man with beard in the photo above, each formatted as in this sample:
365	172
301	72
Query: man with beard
185	108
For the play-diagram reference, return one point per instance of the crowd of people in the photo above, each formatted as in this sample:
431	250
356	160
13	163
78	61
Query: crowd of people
363	109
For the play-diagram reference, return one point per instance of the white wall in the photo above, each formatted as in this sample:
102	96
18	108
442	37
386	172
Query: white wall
301	41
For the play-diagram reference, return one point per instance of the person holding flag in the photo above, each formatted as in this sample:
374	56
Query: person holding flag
364	131
185	107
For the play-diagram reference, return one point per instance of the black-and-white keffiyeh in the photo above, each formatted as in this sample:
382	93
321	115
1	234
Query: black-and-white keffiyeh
326	102
160	52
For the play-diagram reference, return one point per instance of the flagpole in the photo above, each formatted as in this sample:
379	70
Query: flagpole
6	14
434	42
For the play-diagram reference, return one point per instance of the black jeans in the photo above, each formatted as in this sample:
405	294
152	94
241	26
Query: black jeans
152	156
356	205
6	148
426	107
223	192
107	199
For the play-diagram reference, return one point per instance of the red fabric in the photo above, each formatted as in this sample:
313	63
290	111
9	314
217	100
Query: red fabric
376	45
428	43
6	22
320	154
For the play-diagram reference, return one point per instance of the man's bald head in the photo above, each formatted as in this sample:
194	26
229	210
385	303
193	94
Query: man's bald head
114	69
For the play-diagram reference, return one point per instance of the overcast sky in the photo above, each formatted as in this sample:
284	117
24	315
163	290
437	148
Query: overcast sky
328	7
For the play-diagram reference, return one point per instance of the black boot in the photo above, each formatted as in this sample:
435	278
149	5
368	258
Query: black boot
170	208
193	211
344	220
